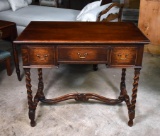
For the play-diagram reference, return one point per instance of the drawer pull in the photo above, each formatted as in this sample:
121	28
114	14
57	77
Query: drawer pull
82	56
1	34
122	56
42	57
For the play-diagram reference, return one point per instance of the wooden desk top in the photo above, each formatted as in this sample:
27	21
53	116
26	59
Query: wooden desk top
4	24
81	32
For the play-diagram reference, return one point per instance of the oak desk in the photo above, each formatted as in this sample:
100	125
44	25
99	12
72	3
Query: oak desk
48	44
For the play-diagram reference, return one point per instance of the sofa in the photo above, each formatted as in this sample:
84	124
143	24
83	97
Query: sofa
23	15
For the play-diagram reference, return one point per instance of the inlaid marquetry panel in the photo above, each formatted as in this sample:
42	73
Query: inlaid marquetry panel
41	55
38	55
123	56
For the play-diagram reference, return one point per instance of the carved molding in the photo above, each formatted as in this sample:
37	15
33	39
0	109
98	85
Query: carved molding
83	97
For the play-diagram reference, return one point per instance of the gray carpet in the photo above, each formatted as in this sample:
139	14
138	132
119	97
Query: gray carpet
71	118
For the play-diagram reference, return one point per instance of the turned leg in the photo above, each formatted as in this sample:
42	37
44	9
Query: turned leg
123	94
95	67
134	96
122	84
39	95
31	105
16	61
40	84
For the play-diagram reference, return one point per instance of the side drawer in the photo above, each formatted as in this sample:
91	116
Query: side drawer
123	56
82	54
38	55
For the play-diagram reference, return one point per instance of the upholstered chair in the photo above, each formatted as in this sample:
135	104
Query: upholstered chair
5	57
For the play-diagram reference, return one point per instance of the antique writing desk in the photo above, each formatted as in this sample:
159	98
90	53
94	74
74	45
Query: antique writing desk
48	44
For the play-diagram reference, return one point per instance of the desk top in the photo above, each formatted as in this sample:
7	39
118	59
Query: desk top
81	32
4	24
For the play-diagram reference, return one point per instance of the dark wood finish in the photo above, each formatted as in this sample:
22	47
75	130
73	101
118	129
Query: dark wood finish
111	16
103	2
82	54
8	32
8	66
82	97
134	96
48	44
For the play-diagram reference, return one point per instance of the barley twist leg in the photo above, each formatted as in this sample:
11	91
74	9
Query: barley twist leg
32	108
39	95
122	84
134	96
123	94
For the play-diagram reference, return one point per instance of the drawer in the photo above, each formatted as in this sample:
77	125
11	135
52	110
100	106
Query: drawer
38	55
121	56
82	54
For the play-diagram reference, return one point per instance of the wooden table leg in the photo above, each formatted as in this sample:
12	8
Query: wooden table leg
122	84
31	105
16	61
39	95
123	94
134	96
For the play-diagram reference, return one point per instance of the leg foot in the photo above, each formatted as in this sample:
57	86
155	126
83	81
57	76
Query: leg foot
32	117
130	123
33	124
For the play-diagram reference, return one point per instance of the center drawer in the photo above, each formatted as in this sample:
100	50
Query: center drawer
82	54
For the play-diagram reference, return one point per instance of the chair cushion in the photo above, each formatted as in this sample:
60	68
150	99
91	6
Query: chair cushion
17	4
4	5
4	54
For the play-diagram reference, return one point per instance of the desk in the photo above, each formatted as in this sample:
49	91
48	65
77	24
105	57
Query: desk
8	32
48	44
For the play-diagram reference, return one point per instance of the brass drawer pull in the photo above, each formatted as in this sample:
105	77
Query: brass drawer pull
42	57
82	56
122	56
1	34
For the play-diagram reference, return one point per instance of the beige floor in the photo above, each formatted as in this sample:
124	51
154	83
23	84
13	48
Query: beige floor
70	118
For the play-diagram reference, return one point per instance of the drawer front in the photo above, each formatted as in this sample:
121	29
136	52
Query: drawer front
121	56
72	54
38	55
